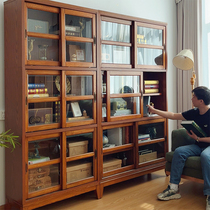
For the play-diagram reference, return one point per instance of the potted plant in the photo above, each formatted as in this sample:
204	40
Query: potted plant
8	140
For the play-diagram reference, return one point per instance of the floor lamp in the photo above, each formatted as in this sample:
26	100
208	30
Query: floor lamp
185	61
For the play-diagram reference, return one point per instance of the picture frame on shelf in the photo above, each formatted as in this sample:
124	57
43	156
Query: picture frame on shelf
76	109
80	55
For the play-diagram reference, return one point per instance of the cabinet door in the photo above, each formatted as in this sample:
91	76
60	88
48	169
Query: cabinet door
115	42
122	95
118	148
152	144
80	158
150	41
80	98
41	43
43	163
43	100
79	38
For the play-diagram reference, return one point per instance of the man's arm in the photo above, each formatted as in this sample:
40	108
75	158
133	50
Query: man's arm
165	114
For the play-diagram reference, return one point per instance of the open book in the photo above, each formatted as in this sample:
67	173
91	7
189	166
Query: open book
191	125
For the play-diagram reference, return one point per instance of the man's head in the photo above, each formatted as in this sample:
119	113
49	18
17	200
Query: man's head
202	93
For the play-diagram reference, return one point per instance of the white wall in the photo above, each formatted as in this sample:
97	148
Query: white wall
158	10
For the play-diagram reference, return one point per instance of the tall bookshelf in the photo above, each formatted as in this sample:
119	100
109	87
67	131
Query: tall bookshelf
77	84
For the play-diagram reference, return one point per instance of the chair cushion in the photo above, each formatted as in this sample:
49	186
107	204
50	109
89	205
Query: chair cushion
191	162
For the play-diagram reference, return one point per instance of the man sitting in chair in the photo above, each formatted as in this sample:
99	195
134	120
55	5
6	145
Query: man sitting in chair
201	115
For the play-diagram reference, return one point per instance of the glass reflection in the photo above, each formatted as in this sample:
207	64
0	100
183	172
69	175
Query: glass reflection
149	36
124	84
148	56
115	54
79	85
115	32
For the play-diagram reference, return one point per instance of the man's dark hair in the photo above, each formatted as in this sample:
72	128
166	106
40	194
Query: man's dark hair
203	93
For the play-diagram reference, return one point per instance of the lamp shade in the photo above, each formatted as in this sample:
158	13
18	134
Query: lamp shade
184	60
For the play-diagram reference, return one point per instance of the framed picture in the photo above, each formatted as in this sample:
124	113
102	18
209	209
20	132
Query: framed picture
76	109
80	55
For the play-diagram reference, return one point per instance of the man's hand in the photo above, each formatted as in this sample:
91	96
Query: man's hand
150	109
192	135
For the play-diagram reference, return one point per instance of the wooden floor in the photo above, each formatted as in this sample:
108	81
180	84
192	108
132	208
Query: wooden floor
139	193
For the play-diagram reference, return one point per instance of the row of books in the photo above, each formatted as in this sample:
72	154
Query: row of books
143	137
151	86
37	91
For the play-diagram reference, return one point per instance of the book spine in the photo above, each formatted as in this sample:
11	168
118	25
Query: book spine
38	95
151	90
151	82
31	86
39	90
156	86
57	111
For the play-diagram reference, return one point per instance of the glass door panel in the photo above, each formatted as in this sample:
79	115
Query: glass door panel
115	32
43	86
43	114
149	36
146	56
115	54
124	84
80	85
42	178
79	144
40	151
79	110
43	49
39	21
79	51
78	26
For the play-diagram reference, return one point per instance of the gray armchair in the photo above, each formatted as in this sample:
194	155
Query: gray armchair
192	169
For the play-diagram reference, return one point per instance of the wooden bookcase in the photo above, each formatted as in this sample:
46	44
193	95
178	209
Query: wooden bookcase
77	82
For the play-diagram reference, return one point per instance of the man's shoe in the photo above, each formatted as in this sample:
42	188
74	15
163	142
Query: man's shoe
208	202
169	194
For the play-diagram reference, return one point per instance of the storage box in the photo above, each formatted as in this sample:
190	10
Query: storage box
147	157
38	26
111	164
78	171
39	116
78	148
39	184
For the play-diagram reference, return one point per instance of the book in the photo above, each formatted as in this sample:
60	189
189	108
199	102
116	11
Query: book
152	90
42	95
146	101
191	125
150	86
37	160
115	136
37	90
31	86
151	82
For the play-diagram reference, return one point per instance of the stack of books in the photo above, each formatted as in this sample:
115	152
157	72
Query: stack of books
37	91
151	86
72	30
143	137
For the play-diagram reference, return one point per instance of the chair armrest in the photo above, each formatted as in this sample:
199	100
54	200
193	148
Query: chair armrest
180	137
